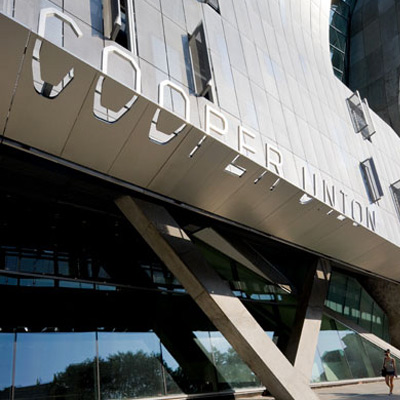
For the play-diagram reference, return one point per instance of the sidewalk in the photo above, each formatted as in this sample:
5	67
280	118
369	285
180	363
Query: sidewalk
361	391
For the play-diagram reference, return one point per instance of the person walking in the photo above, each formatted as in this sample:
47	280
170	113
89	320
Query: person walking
389	365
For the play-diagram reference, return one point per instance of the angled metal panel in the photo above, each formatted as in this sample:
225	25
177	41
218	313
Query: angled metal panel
141	159
96	143
12	47
41	122
200	180
311	222
251	201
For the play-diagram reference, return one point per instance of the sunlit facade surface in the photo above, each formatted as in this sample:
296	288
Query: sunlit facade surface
192	203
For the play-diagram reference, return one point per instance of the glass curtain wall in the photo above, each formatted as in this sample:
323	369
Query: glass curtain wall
112	365
343	354
340	17
347	297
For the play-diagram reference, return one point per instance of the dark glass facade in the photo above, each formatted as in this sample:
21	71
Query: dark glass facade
346	296
340	18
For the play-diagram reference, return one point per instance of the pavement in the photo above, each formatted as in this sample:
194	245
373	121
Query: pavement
360	391
357	391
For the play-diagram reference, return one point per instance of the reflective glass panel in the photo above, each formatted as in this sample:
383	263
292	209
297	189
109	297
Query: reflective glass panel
340	7
338	60
353	357
37	265
375	355
378	318
130	365
359	306
352	305
366	306
318	372
337	40
11	262
231	369
173	373
6	359
52	365
332	353
7	280
337	293
339	23
359	364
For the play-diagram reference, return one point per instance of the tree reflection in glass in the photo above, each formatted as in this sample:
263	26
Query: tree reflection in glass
55	365
6	351
130	365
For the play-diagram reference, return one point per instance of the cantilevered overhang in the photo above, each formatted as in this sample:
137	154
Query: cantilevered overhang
66	127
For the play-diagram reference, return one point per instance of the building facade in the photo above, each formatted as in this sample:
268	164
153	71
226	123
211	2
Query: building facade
193	200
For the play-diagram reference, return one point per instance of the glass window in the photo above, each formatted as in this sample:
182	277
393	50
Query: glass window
37	265
63	266
337	58
347	297
395	189
130	365
11	262
50	365
340	16
7	280
338	73
200	63
338	41
366	307
340	7
118	17
340	23
173	372
214	4
371	180
352	302
6	360
337	292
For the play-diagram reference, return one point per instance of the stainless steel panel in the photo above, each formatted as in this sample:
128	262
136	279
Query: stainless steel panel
11	57
95	143
42	122
141	159
199	180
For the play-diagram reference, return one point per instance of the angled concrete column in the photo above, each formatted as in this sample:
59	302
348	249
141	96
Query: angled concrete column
304	340
215	298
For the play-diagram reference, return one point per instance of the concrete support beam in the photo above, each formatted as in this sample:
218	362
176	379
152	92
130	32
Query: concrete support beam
304	340
215	298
